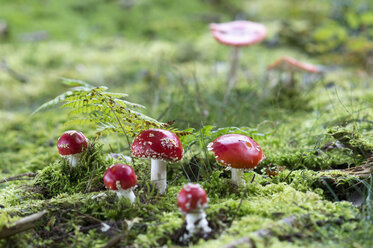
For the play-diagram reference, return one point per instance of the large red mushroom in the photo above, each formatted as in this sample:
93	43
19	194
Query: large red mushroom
71	144
122	179
238	152
161	146
192	200
237	34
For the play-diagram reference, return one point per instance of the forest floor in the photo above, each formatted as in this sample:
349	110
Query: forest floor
313	189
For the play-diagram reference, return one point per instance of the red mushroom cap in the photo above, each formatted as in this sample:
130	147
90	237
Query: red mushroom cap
157	144
71	142
122	173
192	197
238	33
288	63
236	151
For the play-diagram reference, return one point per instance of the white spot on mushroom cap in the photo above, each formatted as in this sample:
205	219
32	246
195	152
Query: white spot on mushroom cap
209	146
63	145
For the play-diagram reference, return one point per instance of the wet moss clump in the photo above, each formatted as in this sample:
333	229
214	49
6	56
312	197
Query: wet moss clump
352	140
59	177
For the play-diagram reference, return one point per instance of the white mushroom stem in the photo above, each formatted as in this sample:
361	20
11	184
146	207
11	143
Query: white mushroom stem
196	222
74	159
127	193
232	74
237	177
158	175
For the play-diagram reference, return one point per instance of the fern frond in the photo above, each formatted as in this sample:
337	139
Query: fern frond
110	113
53	102
116	95
74	82
80	122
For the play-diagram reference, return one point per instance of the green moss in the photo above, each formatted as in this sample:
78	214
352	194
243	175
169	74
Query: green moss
352	140
178	70
60	177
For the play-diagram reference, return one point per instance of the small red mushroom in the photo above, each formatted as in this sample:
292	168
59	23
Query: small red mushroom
161	146
237	34
192	200
71	144
121	178
238	152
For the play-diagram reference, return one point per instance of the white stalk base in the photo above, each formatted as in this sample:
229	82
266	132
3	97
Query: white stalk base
158	175
73	159
127	193
237	177
196	222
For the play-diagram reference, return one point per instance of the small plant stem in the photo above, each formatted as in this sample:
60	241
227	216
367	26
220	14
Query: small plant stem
252	179
158	175
90	179
239	205
124	131
232	74
291	171
237	179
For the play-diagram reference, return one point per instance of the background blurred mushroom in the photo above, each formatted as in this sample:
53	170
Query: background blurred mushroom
287	67
238	152
237	34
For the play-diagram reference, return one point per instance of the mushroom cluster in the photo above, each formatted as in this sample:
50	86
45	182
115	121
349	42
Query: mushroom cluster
162	146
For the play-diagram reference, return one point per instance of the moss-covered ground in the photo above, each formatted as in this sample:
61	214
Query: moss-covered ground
317	137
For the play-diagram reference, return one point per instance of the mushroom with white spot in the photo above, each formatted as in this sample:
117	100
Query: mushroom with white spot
192	200
71	145
122	179
238	152
161	146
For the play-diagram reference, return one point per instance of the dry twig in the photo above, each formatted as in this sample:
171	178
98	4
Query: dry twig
27	175
21	225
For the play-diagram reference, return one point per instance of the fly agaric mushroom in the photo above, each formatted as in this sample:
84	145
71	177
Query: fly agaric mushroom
161	146
192	200
237	34
121	178
292	66
71	144
238	152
